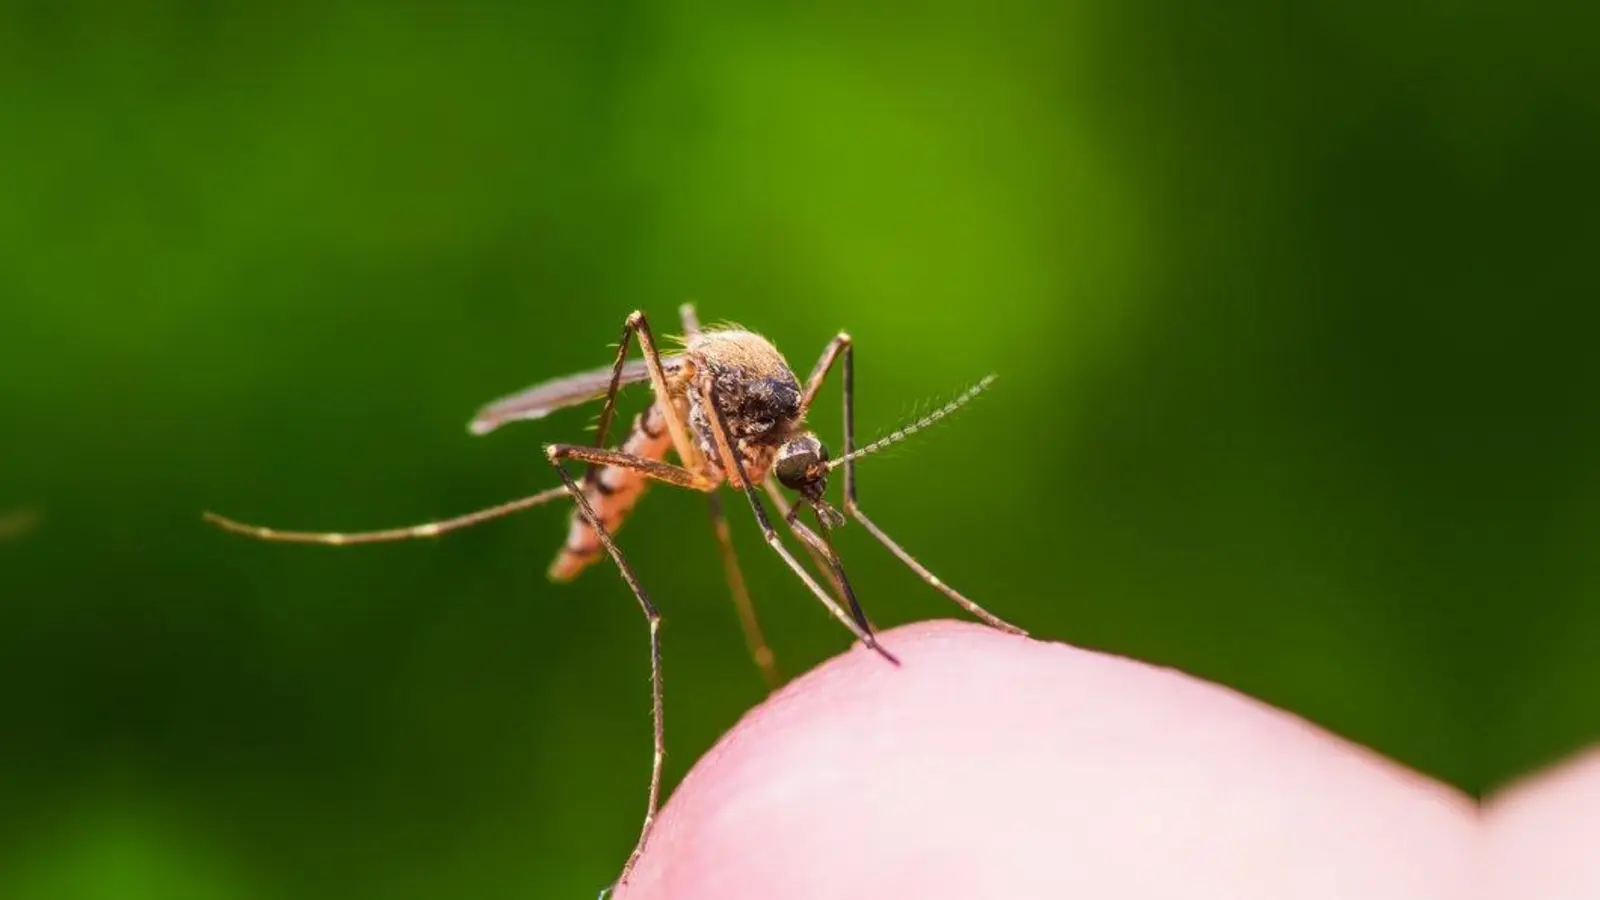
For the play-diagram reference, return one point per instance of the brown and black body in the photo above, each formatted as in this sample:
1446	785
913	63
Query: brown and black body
759	397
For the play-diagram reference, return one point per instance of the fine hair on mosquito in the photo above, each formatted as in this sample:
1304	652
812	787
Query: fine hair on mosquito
730	411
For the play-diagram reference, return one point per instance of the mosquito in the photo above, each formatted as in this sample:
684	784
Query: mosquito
732	412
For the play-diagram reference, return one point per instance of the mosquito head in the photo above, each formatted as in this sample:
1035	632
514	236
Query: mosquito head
802	465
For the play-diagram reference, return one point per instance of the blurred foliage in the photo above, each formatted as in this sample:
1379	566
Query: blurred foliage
1291	307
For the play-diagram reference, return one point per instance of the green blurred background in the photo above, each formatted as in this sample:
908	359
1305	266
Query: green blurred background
1290	307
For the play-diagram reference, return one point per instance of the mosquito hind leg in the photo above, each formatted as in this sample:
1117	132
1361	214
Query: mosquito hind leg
842	349
653	619
408	532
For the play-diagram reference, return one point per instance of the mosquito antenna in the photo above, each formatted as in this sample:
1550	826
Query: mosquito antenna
425	530
901	434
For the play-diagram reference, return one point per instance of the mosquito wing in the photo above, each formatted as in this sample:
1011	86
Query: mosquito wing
558	393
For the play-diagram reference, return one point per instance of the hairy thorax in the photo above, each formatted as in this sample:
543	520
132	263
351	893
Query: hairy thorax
756	393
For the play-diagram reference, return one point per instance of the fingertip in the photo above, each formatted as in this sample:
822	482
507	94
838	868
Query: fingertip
975	766
1539	833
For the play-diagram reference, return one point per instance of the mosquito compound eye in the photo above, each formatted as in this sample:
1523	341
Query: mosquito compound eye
794	468
801	463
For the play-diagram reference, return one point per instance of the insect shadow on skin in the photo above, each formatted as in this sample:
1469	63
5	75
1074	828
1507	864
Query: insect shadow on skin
728	407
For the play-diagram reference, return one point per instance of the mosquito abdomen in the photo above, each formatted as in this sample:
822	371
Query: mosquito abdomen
612	494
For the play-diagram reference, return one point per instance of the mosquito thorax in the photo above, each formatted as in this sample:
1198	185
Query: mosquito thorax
802	465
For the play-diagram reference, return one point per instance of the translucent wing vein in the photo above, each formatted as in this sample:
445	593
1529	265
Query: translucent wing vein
558	393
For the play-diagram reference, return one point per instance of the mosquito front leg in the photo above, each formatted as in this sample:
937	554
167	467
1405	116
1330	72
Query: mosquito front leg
841	342
732	463
822	547
754	640
841	348
688	451
787	514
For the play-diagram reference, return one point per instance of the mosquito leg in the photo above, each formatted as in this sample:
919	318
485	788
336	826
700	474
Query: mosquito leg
841	348
841	343
424	530
434	529
822	546
787	514
592	471
732	463
654	469
811	542
760	652
688	451
653	618
821	557
582	546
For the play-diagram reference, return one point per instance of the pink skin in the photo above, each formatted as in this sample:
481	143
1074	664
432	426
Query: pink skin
1542	836
996	766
